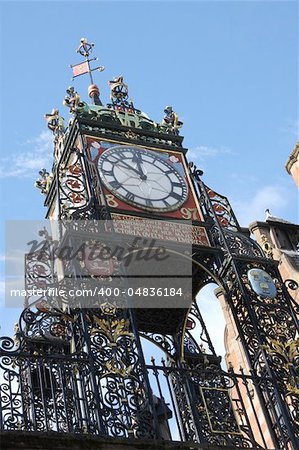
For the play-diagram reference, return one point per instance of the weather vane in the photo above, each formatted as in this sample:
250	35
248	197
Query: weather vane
85	49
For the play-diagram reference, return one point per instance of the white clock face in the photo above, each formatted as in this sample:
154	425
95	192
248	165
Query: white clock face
142	178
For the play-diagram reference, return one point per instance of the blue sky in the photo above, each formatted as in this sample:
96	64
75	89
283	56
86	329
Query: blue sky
228	68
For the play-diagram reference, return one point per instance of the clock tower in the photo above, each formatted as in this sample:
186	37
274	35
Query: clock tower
133	235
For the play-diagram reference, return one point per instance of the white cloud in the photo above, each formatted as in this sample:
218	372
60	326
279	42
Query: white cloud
249	210
202	152
27	163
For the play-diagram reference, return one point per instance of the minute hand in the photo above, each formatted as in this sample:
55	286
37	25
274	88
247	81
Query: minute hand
138	160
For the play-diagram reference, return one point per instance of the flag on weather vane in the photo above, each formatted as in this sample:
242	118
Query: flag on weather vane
80	69
85	49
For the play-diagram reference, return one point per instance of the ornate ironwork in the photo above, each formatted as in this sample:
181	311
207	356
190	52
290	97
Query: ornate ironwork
92	380
223	210
76	199
119	92
205	411
75	370
268	328
267	323
164	342
99	388
197	339
239	245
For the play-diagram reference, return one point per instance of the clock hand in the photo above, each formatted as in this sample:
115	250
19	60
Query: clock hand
137	158
125	165
125	171
130	177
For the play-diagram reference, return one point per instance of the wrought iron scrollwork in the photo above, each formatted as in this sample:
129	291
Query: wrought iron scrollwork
223	210
164	342
214	205
210	417
85	373
75	196
291	284
269	330
241	245
196	338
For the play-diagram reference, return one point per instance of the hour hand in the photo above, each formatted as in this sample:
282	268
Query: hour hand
137	158
125	165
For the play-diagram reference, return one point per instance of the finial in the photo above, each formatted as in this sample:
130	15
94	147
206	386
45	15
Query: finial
85	49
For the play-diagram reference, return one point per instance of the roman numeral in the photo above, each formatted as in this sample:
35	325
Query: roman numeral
115	184
175	184
176	196
107	172
148	202
155	160
130	196
115	158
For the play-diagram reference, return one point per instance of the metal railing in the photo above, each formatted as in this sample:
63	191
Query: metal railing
70	393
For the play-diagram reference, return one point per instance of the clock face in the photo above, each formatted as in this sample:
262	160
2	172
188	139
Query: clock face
142	178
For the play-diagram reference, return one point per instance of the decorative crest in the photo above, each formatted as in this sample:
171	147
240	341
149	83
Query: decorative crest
118	89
